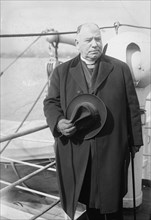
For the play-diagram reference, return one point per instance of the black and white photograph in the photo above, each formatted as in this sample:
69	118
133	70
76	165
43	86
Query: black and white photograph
75	110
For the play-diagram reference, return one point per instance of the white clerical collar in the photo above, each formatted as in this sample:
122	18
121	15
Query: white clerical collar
88	62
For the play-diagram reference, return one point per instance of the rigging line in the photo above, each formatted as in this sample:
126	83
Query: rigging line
20	55
135	26
27	114
62	33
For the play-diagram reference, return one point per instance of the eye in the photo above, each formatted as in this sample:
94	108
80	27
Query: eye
98	39
87	40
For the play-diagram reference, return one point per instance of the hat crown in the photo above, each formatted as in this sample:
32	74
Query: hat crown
84	115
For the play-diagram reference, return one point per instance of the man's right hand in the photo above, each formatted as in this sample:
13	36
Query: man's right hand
66	127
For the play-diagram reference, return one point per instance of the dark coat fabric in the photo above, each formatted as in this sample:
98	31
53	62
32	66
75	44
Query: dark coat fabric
94	171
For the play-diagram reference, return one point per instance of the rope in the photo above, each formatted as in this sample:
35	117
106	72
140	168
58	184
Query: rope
135	26
47	83
21	54
26	115
68	32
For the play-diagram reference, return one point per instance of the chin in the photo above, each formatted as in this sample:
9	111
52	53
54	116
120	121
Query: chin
94	58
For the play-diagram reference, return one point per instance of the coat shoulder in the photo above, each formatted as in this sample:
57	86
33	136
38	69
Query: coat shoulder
68	64
116	61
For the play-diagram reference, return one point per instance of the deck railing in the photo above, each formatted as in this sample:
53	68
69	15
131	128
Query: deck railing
20	134
8	188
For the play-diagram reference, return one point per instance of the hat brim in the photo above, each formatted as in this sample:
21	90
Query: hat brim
93	130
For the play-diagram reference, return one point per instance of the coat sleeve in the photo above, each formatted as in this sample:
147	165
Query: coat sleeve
133	111
52	105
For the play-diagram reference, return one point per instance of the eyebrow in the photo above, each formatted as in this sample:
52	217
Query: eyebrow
89	38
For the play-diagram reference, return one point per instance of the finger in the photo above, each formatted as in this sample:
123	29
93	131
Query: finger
63	126
71	129
69	132
66	121
67	126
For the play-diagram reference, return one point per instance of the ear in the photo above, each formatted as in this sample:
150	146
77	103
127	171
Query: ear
77	43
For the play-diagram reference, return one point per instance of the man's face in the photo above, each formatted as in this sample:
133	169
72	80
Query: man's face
89	43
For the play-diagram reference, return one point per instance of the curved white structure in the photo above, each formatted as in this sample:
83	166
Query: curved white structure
134	49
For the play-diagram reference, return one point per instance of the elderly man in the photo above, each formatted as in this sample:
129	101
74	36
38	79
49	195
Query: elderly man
93	170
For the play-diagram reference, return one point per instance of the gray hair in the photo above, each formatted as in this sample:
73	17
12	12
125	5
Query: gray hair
85	24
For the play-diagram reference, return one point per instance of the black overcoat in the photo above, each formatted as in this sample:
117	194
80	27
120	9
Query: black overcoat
112	82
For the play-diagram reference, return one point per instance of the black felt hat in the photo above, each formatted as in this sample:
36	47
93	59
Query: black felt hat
88	113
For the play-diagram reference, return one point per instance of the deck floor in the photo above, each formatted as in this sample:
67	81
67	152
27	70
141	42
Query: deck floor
20	205
143	212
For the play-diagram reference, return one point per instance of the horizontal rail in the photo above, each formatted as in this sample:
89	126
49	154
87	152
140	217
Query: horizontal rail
8	188
30	190
22	133
116	25
36	34
26	163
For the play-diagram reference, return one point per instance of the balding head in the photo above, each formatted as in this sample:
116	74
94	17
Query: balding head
87	25
88	41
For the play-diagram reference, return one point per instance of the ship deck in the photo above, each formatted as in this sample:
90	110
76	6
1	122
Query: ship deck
20	205
143	212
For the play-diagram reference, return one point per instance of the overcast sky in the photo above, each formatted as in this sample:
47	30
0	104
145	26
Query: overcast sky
35	16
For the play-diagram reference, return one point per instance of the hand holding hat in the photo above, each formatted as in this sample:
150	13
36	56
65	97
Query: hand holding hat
66	127
88	113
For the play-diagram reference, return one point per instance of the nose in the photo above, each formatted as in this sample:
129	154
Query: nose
94	43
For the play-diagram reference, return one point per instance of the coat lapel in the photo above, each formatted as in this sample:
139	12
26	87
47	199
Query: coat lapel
101	72
77	74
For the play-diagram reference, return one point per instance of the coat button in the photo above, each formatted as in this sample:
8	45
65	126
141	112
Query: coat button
79	92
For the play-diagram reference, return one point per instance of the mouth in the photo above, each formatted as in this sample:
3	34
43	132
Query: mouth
94	51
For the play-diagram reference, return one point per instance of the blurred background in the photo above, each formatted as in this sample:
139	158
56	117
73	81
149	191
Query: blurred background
37	16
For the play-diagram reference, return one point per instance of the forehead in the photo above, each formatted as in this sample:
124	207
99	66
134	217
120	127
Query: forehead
89	31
